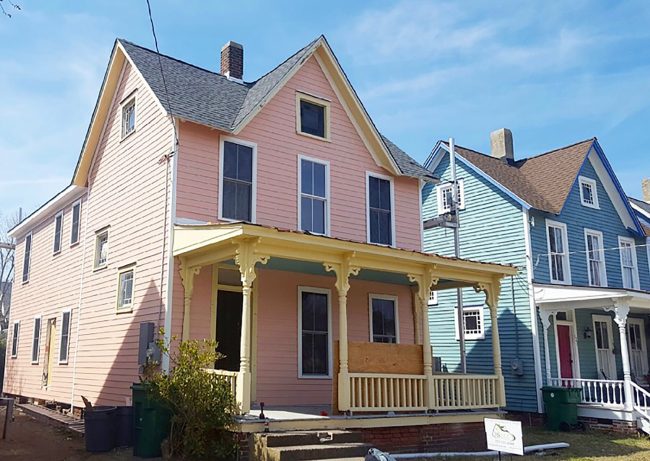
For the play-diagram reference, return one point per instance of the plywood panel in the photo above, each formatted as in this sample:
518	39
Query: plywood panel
385	358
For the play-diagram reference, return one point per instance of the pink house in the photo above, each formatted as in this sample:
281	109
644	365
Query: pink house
271	216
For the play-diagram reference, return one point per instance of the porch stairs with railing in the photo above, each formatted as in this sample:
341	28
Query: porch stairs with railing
641	407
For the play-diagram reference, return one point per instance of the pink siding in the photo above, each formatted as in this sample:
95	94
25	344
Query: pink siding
278	147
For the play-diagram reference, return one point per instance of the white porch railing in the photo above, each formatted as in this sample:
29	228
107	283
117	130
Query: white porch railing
641	401
596	391
382	392
229	376
458	392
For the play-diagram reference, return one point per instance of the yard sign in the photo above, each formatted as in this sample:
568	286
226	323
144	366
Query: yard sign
504	436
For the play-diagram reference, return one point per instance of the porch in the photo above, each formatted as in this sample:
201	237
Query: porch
370	354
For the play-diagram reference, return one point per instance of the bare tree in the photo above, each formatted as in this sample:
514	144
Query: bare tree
7	252
12	6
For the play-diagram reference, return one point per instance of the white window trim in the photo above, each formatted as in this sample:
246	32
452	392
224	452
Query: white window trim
326	163
470	337
393	298
319	101
40	335
565	237
29	260
592	183
125	102
301	290
253	146
78	202
461	195
392	207
126	308
99	233
54	250
598	234
67	352
610	335
433	298
15	336
635	273
644	345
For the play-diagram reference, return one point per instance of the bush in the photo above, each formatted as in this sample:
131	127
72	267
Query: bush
202	403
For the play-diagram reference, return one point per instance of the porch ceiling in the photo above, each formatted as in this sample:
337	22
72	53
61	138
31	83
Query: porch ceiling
570	297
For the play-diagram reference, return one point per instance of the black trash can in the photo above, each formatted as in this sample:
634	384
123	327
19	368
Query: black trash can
124	427
99	429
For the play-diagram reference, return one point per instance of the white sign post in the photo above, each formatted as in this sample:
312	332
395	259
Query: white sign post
504	436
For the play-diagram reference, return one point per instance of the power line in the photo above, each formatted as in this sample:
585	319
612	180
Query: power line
568	253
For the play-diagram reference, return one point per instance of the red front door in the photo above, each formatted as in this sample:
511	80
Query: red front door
564	348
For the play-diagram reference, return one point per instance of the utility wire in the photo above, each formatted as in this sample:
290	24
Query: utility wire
539	255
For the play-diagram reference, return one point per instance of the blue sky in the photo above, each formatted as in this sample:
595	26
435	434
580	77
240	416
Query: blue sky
553	72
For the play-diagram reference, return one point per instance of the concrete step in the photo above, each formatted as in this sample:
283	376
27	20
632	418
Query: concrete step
287	439
320	451
643	424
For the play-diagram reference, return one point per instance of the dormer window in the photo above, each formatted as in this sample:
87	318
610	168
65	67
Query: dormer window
128	117
588	192
312	116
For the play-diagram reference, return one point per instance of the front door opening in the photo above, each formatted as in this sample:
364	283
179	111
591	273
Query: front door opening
49	352
565	351
637	347
604	342
229	310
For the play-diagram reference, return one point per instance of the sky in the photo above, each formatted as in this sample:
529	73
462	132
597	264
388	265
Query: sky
553	72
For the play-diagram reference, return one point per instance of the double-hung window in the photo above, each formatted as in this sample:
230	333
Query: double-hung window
380	210
27	257
76	223
588	192
629	268
14	340
558	252
383	319
58	232
237	181
472	323
125	289
314	324
595	258
36	340
128	117
314	193
65	337
445	195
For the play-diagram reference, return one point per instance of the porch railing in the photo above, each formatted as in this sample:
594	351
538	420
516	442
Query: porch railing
641	400
595	391
229	376
451	392
383	392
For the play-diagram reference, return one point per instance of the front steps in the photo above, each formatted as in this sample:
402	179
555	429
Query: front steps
310	445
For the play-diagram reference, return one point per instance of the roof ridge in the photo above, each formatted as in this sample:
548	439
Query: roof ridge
557	149
291	56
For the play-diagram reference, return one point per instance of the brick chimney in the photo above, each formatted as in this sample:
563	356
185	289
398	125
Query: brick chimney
232	61
501	144
645	188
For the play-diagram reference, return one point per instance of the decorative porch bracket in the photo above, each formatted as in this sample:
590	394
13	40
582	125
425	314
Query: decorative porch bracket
246	258
187	279
343	270
621	311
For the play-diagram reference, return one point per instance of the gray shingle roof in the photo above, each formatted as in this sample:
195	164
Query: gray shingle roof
641	204
209	98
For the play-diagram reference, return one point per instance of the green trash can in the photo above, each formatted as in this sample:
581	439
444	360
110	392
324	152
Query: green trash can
151	423
561	407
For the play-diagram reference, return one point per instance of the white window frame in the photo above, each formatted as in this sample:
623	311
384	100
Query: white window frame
131	99
252	145
36	346
55	250
470	336
599	235
98	234
594	192
67	352
440	188
612	347
567	262
635	273
328	292
371	297
15	338
26	274
318	101
392	207
75	242
433	298
125	308
326	163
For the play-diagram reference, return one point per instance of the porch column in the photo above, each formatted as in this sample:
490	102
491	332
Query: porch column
621	310
246	258
343	270
545	316
492	292
187	279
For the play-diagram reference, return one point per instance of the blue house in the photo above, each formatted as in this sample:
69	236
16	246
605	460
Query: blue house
578	312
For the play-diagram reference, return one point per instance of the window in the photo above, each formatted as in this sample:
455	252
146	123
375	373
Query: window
65	337
27	257
128	117
473	322
588	192
76	223
125	289
237	181
383	319
58	229
312	116
380	206
14	340
101	249
595	258
314	325
36	340
558	252
629	268
445	198
433	298
314	193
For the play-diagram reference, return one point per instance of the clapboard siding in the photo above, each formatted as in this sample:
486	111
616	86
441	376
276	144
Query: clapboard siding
491	230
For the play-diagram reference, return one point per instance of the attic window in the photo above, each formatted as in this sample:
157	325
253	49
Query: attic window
588	192
128	117
312	116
